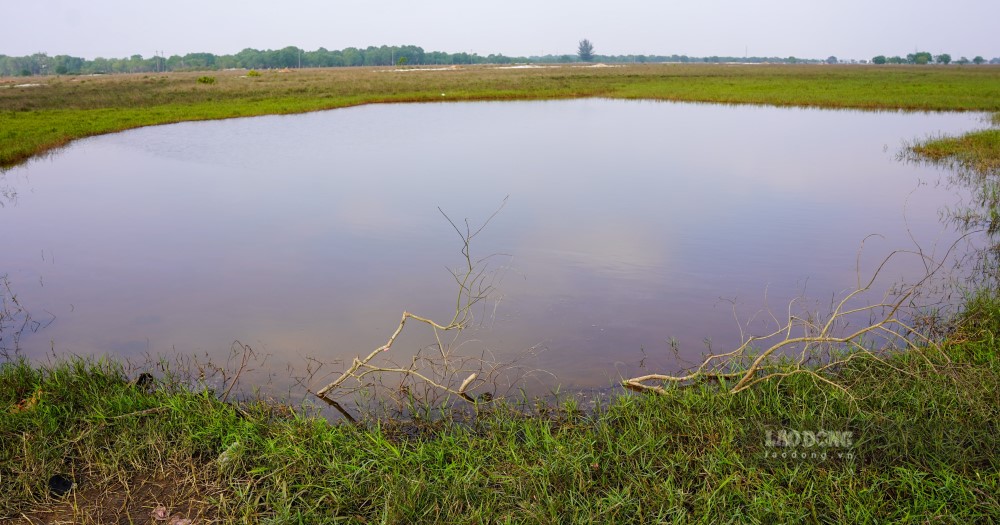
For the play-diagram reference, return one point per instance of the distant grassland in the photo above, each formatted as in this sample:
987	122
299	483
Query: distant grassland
61	109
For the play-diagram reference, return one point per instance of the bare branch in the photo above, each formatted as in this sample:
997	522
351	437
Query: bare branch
444	368
819	340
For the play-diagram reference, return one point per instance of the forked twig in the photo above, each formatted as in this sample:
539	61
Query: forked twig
475	284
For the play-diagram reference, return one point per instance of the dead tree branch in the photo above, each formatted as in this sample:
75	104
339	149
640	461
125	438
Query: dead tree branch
476	283
789	348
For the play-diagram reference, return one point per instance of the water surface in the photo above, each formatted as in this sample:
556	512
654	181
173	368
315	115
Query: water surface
628	225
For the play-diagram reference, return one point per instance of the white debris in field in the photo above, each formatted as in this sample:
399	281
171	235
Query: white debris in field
161	514
525	66
227	455
406	70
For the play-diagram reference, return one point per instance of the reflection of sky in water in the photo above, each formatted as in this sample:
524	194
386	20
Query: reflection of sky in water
628	222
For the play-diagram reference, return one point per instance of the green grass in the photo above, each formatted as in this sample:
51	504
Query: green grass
925	449
974	159
38	119
977	151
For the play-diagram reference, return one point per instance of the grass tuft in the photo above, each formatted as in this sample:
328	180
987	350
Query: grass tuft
978	151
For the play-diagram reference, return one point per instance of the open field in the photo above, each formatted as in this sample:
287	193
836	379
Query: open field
59	109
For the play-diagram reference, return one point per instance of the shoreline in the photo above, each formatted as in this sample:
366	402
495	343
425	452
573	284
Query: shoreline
63	109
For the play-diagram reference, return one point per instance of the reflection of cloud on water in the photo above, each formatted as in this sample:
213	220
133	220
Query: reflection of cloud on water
615	249
370	215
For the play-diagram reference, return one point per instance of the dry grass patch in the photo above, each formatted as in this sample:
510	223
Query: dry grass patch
167	497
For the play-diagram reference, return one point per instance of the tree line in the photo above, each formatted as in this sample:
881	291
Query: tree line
288	57
923	57
294	57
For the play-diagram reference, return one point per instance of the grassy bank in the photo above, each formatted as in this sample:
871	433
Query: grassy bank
978	151
38	118
974	159
923	448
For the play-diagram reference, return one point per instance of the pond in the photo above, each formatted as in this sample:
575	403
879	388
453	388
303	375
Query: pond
631	230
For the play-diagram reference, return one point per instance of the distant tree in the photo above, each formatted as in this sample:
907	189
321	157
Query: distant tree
831	60
962	61
943	58
978	60
353	56
221	62
498	59
67	65
286	57
174	62
879	60
437	57
585	51
250	59
413	54
896	60
199	61
99	65
461	58
920	58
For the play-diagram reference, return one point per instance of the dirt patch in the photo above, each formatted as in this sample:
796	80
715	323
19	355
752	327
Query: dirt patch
170	497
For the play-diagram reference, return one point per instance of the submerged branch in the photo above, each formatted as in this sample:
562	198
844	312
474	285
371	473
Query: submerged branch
475	283
818	340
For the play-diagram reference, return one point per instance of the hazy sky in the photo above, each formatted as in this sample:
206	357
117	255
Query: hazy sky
803	28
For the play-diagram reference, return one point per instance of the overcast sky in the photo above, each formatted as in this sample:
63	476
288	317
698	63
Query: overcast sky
802	28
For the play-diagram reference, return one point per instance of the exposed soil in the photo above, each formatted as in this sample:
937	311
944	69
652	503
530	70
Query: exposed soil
173	497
